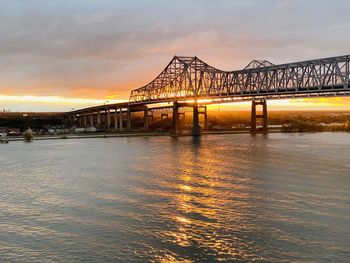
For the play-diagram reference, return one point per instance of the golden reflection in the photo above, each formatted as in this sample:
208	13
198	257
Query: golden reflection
203	207
185	178
202	200
183	220
172	259
185	187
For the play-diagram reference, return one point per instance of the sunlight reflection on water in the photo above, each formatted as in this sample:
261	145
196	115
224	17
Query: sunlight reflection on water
215	198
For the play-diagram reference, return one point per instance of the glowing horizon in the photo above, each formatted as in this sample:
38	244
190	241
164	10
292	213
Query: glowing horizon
49	102
30	103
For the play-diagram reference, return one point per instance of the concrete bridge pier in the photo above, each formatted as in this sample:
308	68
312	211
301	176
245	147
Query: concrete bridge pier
145	119
129	119
120	119
255	116
74	119
98	121
104	119
66	120
116	119
92	119
85	121
175	125
108	119
196	130
205	117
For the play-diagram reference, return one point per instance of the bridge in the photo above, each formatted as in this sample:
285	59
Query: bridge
188	82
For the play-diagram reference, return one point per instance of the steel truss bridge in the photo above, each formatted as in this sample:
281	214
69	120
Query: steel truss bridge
190	82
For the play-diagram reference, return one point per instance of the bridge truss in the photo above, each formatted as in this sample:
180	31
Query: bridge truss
188	82
189	78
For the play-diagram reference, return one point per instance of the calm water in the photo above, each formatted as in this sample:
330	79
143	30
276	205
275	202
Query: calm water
218	198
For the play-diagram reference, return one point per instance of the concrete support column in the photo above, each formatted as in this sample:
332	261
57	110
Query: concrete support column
68	120
196	131
80	119
255	116
104	120
85	121
108	119
175	128
145	119
99	119
116	119
265	119
129	119
120	119
92	119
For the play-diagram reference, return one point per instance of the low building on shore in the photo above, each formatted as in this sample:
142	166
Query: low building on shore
10	131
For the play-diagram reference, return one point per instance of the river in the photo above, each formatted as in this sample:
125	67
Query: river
280	197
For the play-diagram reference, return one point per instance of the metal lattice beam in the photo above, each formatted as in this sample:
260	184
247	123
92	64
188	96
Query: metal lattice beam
188	78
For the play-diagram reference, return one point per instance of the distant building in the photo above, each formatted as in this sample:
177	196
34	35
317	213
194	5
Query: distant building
14	131
10	131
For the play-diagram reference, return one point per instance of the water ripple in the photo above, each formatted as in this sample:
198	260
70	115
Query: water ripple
279	198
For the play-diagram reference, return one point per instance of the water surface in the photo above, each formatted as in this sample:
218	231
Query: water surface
216	198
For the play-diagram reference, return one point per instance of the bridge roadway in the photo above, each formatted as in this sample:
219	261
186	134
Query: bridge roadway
191	83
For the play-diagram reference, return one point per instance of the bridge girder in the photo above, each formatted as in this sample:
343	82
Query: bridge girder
189	78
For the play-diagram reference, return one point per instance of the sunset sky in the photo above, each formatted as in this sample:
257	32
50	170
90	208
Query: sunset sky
62	54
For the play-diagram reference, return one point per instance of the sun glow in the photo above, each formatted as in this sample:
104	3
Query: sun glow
58	103
339	103
53	99
48	103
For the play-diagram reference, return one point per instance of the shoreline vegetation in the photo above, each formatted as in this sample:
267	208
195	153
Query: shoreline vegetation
151	134
46	126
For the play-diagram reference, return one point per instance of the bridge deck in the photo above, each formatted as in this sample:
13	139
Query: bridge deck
189	79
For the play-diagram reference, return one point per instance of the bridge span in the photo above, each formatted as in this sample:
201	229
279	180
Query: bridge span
191	83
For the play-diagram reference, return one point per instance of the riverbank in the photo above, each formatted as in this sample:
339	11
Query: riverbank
147	134
87	136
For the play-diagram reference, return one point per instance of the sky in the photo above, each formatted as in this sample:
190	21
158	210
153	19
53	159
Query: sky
60	55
